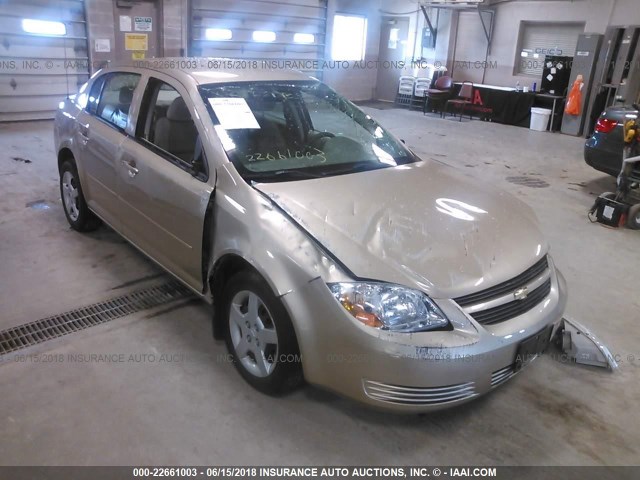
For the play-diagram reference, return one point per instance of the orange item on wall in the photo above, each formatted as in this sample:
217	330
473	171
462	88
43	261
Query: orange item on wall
574	100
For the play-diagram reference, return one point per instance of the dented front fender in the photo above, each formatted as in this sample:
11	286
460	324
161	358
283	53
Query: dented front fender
249	225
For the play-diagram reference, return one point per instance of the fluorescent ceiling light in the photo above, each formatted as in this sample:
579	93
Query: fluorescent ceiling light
43	27
304	38
218	34
264	36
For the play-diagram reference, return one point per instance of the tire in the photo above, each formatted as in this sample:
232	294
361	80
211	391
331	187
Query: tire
633	219
260	336
75	207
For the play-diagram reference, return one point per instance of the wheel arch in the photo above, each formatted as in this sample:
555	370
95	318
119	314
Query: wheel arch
223	269
64	154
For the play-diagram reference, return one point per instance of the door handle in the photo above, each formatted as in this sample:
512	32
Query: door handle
131	166
83	130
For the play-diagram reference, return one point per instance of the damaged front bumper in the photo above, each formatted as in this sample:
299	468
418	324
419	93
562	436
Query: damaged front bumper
412	372
583	347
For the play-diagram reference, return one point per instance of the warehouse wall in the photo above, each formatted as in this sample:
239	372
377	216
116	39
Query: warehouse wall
360	84
103	24
445	36
595	14
441	19
355	84
625	12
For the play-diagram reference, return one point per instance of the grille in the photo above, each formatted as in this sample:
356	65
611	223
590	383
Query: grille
500	376
505	287
513	309
417	395
49	328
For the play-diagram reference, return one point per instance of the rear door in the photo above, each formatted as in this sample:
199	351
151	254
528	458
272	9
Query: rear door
164	185
101	132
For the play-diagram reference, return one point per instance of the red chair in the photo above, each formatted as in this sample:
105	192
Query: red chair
440	93
463	99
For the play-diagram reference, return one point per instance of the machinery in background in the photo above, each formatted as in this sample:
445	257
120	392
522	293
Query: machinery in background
617	75
616	209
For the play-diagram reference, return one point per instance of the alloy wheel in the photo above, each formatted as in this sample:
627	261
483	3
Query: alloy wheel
253	334
70	195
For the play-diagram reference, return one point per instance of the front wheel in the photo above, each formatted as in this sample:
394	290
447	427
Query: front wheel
260	336
75	207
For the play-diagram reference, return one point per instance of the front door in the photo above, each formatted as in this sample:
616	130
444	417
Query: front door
164	196
394	35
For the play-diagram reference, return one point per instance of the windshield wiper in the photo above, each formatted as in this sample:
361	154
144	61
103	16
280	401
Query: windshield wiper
278	175
355	167
297	172
314	172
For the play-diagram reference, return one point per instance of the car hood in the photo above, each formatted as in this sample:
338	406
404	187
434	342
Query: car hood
425	225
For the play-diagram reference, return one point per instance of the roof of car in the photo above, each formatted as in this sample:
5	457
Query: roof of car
213	70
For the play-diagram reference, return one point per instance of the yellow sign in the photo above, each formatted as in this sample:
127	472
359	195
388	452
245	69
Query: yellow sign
135	41
137	55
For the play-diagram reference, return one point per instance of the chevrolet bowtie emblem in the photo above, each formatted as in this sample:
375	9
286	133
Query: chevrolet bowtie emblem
521	293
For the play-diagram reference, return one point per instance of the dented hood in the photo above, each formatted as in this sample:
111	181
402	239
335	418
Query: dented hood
425	225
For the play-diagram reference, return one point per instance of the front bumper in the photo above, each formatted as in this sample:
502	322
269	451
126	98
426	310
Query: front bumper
411	372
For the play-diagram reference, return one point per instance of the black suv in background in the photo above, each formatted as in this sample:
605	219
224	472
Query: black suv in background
603	151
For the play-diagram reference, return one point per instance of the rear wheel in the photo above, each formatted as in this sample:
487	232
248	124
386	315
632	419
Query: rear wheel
260	335
633	219
75	207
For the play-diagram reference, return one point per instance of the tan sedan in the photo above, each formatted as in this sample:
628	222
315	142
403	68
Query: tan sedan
330	251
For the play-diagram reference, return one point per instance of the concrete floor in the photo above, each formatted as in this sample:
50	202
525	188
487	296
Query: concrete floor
197	410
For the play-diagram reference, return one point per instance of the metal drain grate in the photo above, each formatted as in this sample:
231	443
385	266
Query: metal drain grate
528	182
56	326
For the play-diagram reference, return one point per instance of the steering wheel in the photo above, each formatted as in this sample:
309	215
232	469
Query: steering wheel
315	137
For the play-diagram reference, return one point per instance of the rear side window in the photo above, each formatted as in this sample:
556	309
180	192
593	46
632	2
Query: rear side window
115	100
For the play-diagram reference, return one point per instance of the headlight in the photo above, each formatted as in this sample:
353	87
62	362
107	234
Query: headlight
389	307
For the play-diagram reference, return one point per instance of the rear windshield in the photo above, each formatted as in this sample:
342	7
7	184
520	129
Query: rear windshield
280	131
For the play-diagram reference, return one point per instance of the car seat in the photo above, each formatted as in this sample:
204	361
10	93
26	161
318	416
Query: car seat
176	133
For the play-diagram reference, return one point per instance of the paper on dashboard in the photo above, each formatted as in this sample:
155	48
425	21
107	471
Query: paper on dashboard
234	113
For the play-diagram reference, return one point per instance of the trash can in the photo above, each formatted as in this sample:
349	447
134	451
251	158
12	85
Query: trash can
539	119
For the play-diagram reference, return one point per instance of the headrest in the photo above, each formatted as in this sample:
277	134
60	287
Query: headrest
178	111
126	95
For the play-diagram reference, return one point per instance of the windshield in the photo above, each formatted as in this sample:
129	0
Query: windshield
280	131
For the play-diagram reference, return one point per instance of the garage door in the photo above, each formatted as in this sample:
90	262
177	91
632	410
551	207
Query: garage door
43	56
538	40
260	30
